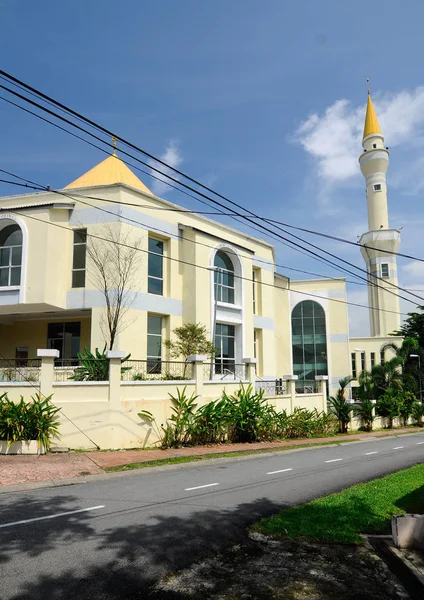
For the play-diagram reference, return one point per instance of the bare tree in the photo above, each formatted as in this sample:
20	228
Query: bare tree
113	266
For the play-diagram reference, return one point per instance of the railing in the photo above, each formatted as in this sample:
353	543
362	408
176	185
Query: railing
307	387
156	370
74	369
271	387
224	372
17	370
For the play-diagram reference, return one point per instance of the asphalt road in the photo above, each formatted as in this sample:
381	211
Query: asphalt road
112	537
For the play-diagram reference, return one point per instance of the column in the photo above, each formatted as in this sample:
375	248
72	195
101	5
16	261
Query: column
250	368
115	364
322	379
197	361
47	370
291	388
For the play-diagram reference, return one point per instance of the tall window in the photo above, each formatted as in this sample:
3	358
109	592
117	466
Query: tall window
254	282
225	344
224	278
154	344
155	267
372	355
382	357
385	271
79	258
65	337
309	343
362	361
10	255
353	358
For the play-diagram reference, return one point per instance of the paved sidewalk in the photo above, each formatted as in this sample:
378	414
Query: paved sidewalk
25	469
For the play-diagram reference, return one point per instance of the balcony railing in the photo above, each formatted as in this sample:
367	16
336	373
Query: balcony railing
307	387
271	387
156	370
20	370
74	369
227	371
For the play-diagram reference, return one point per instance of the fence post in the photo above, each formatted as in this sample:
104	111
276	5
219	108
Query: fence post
250	374
291	385
115	363
197	360
47	370
322	379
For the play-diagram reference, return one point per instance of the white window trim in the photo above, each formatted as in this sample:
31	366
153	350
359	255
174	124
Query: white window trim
379	186
22	225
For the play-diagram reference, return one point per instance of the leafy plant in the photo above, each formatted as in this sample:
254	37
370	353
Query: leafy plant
178	427
94	367
25	421
417	413
406	405
388	406
339	406
364	410
191	338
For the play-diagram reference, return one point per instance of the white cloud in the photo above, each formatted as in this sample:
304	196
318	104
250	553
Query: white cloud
173	157
333	139
414	270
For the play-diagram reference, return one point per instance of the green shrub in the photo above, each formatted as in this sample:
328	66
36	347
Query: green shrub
25	421
417	413
364	410
94	367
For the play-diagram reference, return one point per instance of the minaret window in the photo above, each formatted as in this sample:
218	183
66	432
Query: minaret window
374	145
377	187
385	271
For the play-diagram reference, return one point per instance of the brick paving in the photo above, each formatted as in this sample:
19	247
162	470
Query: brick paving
26	469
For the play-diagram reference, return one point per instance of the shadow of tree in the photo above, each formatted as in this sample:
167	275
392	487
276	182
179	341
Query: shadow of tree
412	502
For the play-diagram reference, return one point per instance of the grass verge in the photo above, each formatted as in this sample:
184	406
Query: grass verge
203	457
342	517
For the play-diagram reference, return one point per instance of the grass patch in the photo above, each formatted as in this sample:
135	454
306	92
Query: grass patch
342	517
203	457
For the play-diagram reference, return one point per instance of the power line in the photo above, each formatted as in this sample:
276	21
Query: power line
188	263
67	195
247	218
52	102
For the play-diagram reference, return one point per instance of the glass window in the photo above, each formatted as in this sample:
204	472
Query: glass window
385	272
225	345
10	255
79	258
353	357
224	278
154	344
309	342
362	361
256	280
155	267
65	337
377	187
372	356
382	357
254	290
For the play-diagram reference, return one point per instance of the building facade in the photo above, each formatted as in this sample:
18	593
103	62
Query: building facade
189	269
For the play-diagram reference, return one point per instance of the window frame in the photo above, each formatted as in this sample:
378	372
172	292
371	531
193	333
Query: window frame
10	268
382	265
154	280
224	292
353	365
154	362
51	339
377	187
77	270
222	363
310	341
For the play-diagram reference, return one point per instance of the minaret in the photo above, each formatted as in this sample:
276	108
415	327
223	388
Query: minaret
381	265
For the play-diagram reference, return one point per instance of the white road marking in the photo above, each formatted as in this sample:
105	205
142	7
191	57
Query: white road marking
199	487
280	471
398	447
64	514
368	453
333	460
418	443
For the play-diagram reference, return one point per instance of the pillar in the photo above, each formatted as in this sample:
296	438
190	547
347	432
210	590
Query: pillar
197	361
291	388
322	379
115	364
250	368
47	370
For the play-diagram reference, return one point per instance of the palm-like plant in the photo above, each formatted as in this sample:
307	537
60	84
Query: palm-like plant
387	375
339	406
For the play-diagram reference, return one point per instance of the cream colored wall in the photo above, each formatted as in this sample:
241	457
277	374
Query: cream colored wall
33	334
371	345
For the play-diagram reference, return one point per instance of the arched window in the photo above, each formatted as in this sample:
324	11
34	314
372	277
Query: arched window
309	343
10	255
224	278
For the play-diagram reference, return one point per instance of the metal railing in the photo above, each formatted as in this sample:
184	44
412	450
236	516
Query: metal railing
307	387
18	370
157	370
271	387
75	369
224	372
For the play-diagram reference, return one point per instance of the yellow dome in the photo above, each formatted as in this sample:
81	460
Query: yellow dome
371	122
109	171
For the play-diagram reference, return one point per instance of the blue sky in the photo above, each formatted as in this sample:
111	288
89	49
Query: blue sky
263	100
